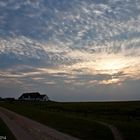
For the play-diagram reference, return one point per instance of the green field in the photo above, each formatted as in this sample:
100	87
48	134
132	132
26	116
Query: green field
79	119
4	131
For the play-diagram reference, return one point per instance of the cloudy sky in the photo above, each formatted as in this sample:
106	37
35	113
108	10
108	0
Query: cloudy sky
71	50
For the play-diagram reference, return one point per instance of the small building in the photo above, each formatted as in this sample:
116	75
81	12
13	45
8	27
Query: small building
7	99
33	96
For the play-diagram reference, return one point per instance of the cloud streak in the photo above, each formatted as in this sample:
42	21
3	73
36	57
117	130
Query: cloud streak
69	43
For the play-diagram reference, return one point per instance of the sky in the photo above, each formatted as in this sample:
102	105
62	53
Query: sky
71	50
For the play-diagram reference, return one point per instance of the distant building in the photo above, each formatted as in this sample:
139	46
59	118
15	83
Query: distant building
33	96
9	99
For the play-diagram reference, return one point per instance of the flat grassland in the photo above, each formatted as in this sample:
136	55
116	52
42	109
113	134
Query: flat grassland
80	118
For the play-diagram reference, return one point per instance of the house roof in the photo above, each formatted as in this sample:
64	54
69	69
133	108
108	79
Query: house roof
31	95
43	95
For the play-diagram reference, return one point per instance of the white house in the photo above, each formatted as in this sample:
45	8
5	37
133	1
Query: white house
33	96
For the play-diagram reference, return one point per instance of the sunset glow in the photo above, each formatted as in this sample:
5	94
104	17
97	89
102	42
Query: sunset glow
74	50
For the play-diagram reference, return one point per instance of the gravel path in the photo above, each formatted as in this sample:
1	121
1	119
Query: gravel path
26	129
116	133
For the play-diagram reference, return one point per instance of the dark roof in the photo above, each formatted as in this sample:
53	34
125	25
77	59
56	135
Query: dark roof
32	95
43	95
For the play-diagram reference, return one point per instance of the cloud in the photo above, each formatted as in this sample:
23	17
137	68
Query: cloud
3	4
101	68
65	64
54	21
77	43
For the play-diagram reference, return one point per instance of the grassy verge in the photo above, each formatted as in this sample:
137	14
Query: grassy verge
79	127
4	131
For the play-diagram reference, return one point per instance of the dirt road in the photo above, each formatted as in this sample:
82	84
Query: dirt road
26	129
116	133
